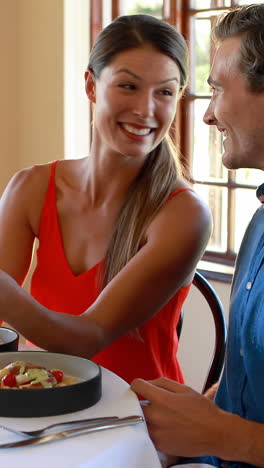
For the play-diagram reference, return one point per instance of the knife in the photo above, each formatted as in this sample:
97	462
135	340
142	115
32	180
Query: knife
74	432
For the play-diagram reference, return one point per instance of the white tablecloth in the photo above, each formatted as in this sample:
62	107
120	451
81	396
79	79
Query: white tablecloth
126	447
193	465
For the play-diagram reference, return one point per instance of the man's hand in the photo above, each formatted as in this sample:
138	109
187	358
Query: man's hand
180	421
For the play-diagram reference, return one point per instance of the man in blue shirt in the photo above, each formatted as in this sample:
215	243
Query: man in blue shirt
182	422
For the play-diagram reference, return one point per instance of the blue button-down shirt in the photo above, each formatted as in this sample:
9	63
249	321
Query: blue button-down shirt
241	390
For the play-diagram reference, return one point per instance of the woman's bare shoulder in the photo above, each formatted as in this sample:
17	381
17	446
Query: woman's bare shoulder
25	194
28	183
185	197
186	212
26	179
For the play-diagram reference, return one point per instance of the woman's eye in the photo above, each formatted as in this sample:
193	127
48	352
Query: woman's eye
127	86
166	92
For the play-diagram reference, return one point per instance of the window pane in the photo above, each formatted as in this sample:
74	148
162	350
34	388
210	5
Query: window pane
207	147
107	13
249	177
201	67
147	7
216	198
209	14
207	142
204	4
246	204
241	2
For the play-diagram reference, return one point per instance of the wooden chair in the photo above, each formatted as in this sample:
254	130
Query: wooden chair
215	305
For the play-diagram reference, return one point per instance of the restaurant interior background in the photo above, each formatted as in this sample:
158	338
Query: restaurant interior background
44	48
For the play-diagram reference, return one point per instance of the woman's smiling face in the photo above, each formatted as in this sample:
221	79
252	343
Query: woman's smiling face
135	100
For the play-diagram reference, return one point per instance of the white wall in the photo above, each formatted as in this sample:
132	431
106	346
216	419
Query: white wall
76	55
8	90
41	89
31	91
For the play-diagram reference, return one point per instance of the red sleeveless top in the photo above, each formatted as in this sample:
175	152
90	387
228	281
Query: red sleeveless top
55	286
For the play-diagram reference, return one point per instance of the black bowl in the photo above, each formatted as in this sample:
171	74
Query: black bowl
52	401
8	339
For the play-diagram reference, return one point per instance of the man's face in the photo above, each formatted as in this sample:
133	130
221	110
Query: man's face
235	110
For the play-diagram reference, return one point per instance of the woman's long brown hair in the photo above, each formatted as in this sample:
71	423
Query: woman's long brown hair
157	178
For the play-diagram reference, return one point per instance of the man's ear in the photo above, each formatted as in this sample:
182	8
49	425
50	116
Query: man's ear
90	85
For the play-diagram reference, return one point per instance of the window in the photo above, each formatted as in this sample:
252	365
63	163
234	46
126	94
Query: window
230	194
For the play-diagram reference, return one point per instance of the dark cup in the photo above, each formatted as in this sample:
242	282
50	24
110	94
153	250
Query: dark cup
8	339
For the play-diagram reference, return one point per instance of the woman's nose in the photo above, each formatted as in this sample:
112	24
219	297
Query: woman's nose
144	105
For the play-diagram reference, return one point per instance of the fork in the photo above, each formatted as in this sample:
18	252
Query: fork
76	422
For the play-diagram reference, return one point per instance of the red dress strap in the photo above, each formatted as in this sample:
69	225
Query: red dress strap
51	191
173	194
52	169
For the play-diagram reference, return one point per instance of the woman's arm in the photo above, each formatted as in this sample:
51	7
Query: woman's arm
174	243
182	422
20	210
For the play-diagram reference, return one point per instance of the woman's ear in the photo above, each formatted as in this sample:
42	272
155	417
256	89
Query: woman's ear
90	85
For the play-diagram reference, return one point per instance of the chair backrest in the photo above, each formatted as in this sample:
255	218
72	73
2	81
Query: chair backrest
218	314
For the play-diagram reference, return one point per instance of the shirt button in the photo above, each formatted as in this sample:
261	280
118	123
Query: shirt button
248	285
241	352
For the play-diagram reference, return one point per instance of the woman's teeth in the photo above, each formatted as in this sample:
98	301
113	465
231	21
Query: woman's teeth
136	131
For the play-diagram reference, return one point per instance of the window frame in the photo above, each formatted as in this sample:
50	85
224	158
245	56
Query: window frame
215	258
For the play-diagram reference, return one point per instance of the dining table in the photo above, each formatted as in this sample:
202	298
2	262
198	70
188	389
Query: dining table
193	465
121	447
